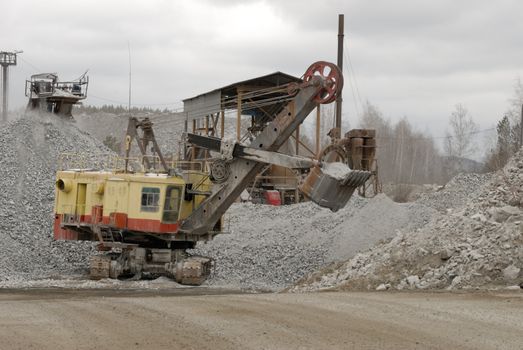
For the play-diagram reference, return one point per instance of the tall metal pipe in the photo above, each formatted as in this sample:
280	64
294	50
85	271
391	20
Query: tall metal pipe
339	98
4	93
6	59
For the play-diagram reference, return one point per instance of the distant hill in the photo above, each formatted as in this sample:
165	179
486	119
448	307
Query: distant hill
455	165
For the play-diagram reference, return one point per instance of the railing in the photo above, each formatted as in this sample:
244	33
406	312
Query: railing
81	161
47	86
115	163
182	165
195	165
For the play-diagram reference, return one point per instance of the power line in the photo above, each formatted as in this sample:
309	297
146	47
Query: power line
226	103
352	75
107	99
134	104
436	137
353	94
29	63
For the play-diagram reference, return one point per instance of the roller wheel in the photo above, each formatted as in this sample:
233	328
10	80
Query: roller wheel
333	76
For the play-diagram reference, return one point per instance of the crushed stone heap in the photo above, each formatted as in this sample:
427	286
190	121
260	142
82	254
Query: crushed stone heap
476	244
466	235
273	247
30	149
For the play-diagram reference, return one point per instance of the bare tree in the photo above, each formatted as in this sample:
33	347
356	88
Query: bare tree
459	140
404	154
372	117
326	123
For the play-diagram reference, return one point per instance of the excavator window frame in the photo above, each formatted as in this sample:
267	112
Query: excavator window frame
150	199
170	213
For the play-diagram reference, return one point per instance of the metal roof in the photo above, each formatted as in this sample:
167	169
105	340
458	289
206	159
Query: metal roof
273	79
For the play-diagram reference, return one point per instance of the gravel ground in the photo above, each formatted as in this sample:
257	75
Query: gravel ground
115	319
31	148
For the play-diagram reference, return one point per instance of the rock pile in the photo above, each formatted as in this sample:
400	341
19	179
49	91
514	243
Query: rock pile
476	244
168	128
30	149
457	192
467	235
273	247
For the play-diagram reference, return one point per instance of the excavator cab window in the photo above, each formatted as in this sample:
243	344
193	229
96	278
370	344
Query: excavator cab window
150	199
172	204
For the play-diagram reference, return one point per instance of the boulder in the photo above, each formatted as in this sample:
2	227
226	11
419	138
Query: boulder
511	272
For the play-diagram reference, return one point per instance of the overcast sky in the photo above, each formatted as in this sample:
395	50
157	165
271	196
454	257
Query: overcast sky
411	58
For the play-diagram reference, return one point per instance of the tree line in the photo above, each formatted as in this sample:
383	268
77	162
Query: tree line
117	109
508	130
408	156
404	154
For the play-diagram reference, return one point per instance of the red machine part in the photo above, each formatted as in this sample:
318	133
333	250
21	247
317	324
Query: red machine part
272	197
334	78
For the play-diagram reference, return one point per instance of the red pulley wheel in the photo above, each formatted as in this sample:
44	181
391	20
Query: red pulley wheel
334	80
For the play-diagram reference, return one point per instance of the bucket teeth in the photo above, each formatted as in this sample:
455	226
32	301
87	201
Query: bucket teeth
356	178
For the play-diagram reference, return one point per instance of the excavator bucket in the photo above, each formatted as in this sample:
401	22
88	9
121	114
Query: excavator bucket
333	186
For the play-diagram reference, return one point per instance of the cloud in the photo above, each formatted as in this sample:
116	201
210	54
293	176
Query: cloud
410	57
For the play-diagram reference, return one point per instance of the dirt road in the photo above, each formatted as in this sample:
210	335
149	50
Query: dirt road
148	320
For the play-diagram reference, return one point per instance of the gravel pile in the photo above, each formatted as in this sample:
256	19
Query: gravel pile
462	189
469	234
30	149
102	125
168	128
273	247
475	245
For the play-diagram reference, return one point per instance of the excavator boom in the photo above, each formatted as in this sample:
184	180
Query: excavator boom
321	83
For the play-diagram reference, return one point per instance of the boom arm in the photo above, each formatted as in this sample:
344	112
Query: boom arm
250	153
322	82
244	171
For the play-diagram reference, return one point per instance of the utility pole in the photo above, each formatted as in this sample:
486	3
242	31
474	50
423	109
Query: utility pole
339	98
6	59
129	50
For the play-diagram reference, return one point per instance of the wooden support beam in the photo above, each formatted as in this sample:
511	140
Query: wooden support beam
222	126
193	148
298	140
318	124
297	135
214	120
239	116
206	154
304	146
255	104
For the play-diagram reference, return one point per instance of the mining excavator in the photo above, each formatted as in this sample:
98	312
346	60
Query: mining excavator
146	220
